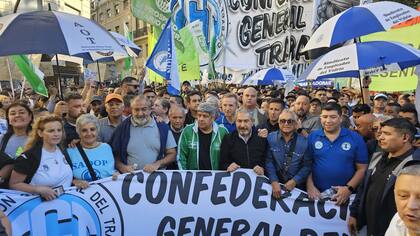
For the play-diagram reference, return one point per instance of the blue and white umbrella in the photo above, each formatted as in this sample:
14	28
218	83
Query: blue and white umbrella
358	21
130	47
362	59
51	32
269	77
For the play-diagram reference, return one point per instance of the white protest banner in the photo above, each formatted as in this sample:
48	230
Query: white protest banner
175	203
266	33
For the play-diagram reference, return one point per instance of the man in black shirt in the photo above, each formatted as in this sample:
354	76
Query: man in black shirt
75	109
243	148
374	205
193	99
275	107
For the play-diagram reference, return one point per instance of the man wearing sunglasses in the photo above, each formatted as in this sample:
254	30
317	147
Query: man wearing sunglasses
286	162
129	86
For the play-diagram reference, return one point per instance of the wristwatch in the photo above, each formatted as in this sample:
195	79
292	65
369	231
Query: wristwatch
350	188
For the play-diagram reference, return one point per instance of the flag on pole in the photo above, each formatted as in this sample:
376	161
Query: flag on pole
128	62
33	75
188	60
172	74
157	61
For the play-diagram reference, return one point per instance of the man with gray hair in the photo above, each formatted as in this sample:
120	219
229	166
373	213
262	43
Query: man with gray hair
407	191
141	141
199	144
243	148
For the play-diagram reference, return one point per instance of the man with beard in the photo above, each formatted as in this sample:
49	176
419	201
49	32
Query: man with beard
129	86
243	148
142	142
374	204
309	122
114	107
75	109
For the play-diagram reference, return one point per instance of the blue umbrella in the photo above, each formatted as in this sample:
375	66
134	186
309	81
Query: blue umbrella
362	59
358	21
269	76
51	32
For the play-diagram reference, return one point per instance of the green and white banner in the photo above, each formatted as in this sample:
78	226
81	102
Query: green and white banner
154	12
175	203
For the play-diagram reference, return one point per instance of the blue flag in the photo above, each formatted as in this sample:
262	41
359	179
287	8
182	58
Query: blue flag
172	74
157	61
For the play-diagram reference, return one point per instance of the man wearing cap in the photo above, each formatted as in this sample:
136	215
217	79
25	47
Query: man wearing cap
379	104
315	108
290	99
95	106
114	107
374	205
199	144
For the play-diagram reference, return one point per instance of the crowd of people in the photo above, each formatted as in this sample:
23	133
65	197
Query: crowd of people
329	143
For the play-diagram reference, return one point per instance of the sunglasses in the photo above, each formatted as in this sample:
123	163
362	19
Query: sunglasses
287	122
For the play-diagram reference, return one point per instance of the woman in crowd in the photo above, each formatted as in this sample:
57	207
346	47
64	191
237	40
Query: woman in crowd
19	119
43	166
92	160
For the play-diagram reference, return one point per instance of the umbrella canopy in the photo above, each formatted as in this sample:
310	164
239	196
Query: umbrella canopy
132	49
269	76
362	59
358	21
50	32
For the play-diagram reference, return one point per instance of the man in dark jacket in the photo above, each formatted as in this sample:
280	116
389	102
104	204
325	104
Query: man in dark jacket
374	205
243	148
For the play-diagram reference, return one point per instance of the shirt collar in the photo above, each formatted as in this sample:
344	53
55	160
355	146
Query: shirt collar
343	132
246	139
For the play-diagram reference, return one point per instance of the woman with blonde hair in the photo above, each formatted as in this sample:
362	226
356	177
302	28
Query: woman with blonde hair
43	168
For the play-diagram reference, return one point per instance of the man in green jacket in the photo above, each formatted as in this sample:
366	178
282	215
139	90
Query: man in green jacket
199	144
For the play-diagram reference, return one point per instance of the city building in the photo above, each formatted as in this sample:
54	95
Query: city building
115	15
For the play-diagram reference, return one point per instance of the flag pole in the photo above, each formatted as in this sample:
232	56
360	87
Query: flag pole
10	78
23	87
60	92
99	73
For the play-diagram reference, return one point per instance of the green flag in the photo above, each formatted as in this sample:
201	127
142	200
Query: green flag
154	12
188	60
212	52
33	75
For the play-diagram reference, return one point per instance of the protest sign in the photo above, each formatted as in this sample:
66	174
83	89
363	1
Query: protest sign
175	203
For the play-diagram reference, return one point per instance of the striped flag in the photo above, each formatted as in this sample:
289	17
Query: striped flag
33	75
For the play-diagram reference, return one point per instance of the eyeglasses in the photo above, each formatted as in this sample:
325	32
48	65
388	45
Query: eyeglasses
287	122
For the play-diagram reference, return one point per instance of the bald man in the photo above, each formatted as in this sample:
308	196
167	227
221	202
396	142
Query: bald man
309	122
249	102
364	126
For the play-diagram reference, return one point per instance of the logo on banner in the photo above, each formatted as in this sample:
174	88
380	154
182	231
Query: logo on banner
163	5
213	16
106	54
88	214
160	60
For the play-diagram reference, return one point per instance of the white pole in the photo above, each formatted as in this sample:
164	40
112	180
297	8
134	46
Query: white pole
23	87
10	78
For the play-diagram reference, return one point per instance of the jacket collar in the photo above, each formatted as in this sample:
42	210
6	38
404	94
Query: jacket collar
215	127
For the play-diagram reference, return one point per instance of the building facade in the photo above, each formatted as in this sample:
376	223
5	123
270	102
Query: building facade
115	15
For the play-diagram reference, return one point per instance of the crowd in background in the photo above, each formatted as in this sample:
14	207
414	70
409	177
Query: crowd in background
330	143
